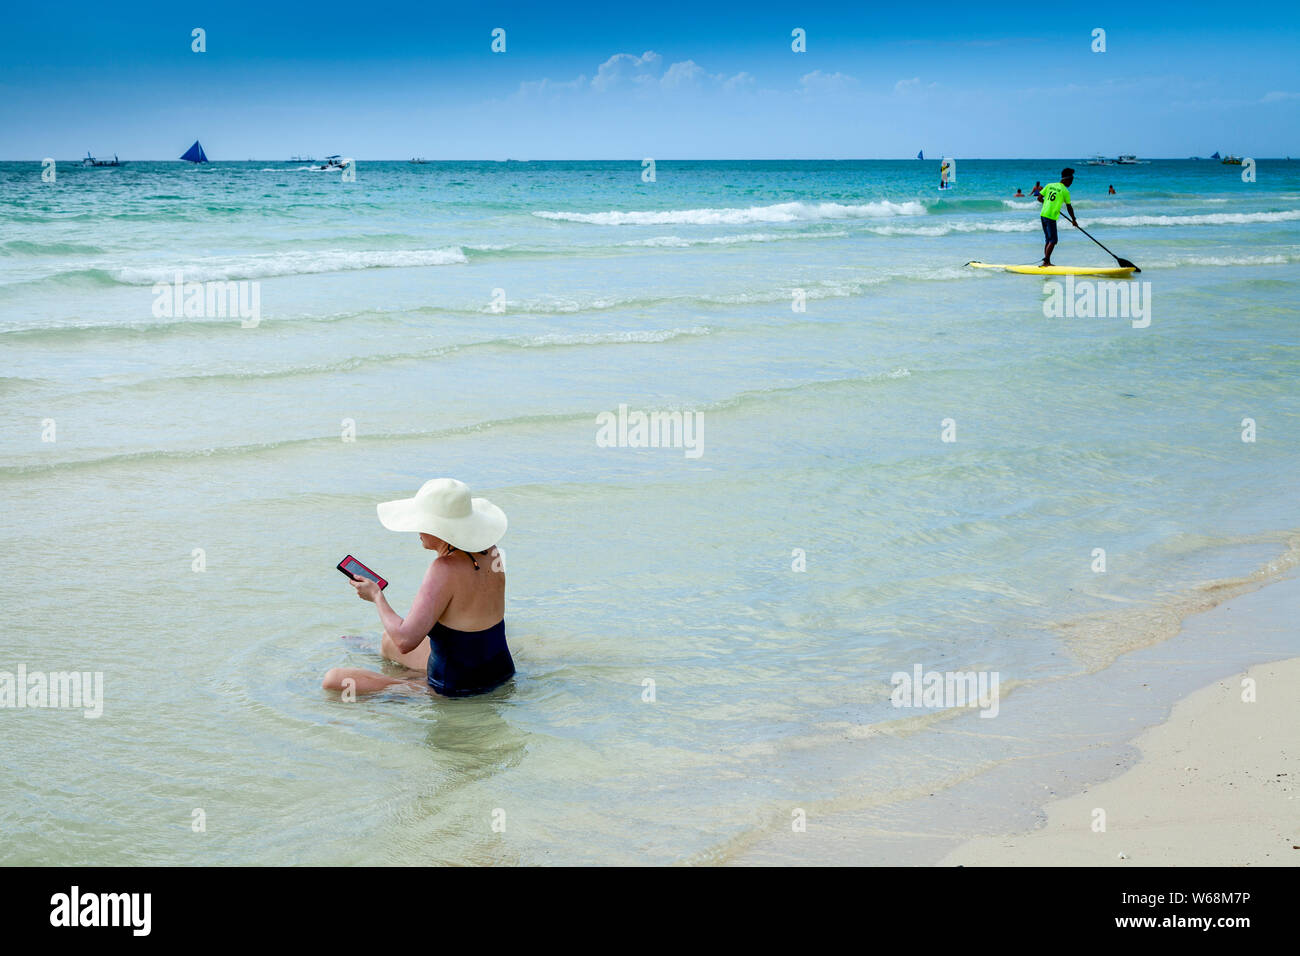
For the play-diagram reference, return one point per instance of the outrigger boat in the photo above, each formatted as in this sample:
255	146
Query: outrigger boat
92	161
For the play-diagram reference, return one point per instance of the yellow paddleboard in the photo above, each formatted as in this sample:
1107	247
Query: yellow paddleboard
1118	272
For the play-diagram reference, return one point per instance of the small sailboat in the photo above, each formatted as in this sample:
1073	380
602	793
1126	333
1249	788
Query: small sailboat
1215	155
195	154
100	163
920	154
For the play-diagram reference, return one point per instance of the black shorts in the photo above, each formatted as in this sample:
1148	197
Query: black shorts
1049	228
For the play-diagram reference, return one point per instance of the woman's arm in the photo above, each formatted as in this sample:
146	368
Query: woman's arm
429	603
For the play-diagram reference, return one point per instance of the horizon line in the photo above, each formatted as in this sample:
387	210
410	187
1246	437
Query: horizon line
678	159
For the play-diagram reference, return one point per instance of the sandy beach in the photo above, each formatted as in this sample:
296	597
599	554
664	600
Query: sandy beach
1216	786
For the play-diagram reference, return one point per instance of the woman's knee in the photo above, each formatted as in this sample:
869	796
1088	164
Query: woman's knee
357	680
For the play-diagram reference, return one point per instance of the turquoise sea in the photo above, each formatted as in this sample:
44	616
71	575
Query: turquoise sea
178	488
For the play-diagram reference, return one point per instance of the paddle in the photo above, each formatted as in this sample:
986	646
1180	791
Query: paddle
1124	263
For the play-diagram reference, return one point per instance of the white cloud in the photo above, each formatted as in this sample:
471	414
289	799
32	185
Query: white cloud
912	85
819	82
624	69
741	81
546	86
686	73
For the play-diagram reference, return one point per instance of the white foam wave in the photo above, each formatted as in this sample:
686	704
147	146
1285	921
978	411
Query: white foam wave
629	336
1269	260
827	289
780	212
553	305
1030	224
948	228
678	242
1205	219
289	263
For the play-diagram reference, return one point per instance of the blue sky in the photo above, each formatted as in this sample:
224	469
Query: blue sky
669	80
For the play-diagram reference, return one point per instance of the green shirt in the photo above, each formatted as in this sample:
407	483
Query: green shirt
1054	197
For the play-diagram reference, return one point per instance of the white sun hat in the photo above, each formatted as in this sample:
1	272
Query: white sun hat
443	508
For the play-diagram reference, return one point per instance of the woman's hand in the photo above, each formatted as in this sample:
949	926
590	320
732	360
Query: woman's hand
367	590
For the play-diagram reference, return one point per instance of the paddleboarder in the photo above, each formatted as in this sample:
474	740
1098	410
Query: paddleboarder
1053	197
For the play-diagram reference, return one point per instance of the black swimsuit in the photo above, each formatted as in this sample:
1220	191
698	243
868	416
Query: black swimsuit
464	663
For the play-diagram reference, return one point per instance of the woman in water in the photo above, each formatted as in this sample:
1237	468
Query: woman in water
455	633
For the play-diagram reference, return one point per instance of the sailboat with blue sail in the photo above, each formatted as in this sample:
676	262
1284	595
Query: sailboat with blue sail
920	154
195	154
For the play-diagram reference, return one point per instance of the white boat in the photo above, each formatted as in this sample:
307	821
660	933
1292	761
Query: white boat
1099	160
332	164
1128	159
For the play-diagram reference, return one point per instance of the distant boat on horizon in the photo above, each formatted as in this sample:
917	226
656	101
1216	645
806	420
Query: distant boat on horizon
301	159
1230	160
92	161
1215	155
920	154
418	161
195	154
